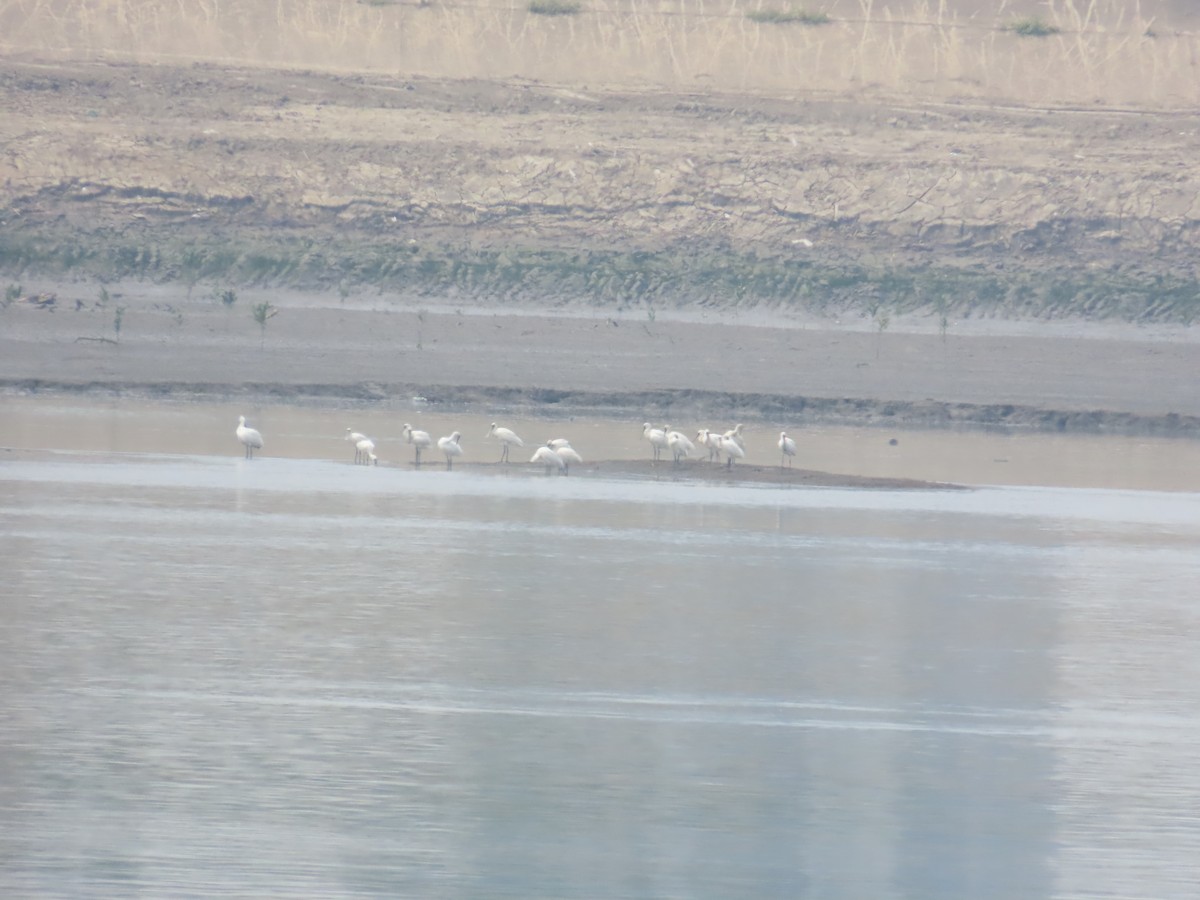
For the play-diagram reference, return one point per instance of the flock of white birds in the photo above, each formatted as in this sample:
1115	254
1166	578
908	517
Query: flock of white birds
557	453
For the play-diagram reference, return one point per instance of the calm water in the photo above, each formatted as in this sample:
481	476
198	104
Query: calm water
296	677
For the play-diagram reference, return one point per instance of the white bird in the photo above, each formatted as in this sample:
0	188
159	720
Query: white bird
736	434
548	458
419	439
505	437
354	437
732	450
568	455
364	450
680	446
711	442
451	447
657	438
556	443
787	448
248	436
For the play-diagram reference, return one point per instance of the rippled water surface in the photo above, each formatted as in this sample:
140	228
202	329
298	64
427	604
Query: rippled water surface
296	677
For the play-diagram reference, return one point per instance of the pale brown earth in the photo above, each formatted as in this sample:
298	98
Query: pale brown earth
620	363
130	165
862	197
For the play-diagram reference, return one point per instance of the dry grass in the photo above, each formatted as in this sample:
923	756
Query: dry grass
1104	51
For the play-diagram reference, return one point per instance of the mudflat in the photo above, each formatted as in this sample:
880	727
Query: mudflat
1113	378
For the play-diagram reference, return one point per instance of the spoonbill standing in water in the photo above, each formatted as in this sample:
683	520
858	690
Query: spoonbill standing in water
657	438
419	439
249	437
354	437
680	446
506	437
787	448
732	450
451	447
364	451
549	458
567	454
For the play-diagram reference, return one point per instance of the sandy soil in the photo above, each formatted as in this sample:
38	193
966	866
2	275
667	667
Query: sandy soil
118	167
1116	380
759	198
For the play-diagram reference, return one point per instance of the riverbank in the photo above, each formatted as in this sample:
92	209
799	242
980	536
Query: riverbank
504	192
382	353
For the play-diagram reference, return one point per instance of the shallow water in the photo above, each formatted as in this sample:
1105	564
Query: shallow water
968	457
297	677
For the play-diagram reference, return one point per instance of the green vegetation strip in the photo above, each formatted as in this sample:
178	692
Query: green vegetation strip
1032	27
675	276
787	16
554	7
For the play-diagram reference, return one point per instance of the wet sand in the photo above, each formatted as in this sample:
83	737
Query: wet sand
383	352
117	429
694	470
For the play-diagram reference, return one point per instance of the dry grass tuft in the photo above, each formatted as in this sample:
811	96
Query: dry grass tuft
1104	52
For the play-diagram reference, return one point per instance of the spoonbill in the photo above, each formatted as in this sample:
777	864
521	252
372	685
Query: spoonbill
419	439
787	448
710	441
549	458
736	434
732	450
568	455
506	437
657	438
354	437
680	446
556	443
248	436
451	447
364	450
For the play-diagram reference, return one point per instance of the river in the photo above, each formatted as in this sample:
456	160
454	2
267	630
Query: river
295	677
